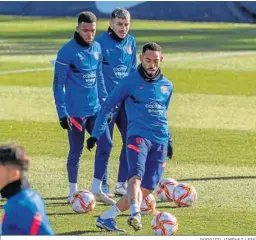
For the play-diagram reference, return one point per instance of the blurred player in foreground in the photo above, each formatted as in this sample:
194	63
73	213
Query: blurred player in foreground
24	211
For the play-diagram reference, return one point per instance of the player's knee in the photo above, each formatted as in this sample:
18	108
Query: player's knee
145	192
135	173
74	155
135	180
105	149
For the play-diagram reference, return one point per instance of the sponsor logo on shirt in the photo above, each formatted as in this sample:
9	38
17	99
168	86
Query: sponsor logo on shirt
155	109
120	71
90	79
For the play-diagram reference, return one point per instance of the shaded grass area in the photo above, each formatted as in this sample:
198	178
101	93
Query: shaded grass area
45	36
209	146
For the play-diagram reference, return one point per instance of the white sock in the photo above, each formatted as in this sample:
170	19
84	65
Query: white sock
72	188
96	185
134	208
113	212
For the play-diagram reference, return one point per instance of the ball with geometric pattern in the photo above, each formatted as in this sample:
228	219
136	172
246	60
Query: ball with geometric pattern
164	189
184	195
148	204
83	201
164	224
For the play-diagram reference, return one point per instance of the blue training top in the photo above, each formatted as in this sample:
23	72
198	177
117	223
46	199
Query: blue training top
146	105
25	215
119	58
78	84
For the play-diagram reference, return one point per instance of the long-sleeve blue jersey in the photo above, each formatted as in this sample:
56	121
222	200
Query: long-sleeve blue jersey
78	80
119	58
146	105
25	215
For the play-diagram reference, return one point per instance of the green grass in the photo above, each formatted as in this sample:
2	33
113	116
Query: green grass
211	117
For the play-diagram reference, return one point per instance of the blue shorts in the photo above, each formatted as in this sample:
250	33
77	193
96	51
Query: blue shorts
146	160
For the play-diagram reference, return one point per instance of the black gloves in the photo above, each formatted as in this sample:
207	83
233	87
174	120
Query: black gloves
169	150
65	123
91	143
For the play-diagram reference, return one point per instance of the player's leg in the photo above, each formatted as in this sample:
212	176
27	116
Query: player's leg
105	184
154	168
137	149
137	153
121	185
76	144
104	146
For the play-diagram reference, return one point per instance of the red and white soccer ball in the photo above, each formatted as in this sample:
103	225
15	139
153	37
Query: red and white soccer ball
184	195
148	205
164	189
83	201
164	224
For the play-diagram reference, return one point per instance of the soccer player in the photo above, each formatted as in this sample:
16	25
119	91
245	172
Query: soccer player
79	92
119	60
147	95
24	211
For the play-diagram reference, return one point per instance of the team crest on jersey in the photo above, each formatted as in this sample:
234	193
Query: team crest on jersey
129	49
96	55
164	89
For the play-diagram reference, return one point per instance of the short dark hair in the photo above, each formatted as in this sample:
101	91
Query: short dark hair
87	17
13	154
120	13
151	46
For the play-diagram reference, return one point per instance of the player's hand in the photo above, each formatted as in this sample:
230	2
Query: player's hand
91	141
170	150
65	123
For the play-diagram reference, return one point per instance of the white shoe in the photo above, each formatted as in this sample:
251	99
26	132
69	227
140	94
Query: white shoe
102	197
121	188
135	221
105	189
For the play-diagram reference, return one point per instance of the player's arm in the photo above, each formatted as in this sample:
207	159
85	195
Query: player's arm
102	92
119	94
61	70
39	226
60	75
134	58
31	223
170	145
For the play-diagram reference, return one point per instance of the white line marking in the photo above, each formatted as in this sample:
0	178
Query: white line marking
24	70
168	58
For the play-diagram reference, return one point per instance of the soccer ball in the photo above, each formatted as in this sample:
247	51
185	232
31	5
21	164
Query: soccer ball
164	189
164	224
184	195
148	205
83	201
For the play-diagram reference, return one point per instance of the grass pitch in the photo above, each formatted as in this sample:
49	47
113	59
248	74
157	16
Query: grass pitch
212	118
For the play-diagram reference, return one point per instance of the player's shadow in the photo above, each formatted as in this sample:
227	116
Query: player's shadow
55	204
80	232
56	198
166	206
61	214
217	178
